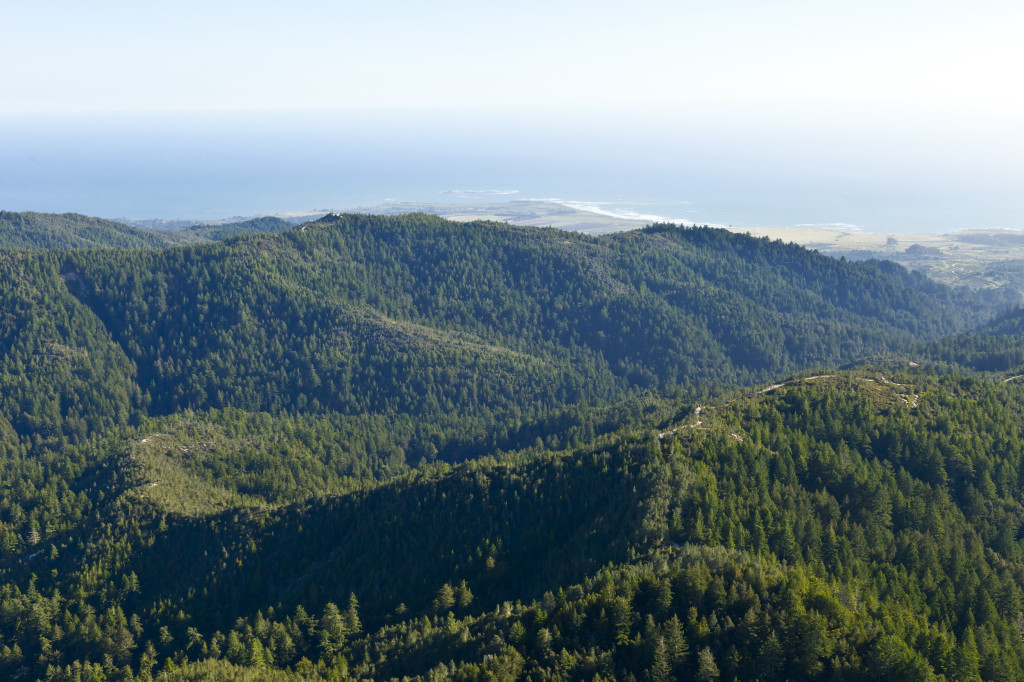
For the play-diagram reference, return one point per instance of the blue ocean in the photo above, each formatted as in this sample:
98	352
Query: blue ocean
220	165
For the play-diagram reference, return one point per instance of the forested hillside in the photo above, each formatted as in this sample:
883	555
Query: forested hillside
275	322
31	230
404	447
218	231
459	333
997	346
38	231
837	527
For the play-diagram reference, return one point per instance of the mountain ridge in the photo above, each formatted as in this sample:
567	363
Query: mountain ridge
404	447
41	231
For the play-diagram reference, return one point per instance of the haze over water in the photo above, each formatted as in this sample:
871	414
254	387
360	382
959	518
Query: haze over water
728	167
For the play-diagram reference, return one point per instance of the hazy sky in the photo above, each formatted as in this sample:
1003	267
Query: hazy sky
59	55
907	110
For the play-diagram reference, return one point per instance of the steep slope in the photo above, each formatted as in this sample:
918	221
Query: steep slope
834	527
219	231
249	412
61	374
433	339
1010	323
360	313
997	346
40	231
31	230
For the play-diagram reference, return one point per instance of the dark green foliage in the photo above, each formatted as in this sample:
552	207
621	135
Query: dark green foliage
61	375
995	347
399	447
217	232
418	315
73	231
835	528
36	231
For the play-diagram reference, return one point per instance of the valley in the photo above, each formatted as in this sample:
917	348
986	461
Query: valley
403	447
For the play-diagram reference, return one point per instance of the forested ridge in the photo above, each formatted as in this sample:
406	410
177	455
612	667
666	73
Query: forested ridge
832	528
660	307
997	346
40	231
382	448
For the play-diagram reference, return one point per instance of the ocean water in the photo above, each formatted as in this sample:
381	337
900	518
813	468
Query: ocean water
214	166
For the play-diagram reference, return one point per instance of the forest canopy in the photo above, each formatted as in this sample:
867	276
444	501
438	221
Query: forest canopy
402	447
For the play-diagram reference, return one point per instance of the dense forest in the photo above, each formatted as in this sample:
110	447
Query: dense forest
29	230
249	321
405	448
997	346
